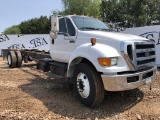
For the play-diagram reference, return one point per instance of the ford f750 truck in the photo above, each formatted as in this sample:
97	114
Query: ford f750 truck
94	57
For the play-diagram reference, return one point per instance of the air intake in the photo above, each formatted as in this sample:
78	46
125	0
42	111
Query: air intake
130	51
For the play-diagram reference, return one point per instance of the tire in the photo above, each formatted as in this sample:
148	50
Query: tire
19	58
88	85
11	58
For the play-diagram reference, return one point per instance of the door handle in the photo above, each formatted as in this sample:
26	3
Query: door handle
52	41
71	41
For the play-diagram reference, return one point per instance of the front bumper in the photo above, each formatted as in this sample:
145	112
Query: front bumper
122	82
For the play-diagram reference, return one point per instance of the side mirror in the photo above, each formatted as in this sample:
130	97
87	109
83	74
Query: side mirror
53	35
54	26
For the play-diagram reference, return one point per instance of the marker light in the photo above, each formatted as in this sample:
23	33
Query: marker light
107	61
104	61
55	23
93	41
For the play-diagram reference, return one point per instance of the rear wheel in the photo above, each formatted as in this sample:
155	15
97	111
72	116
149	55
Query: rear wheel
19	58
88	85
11	58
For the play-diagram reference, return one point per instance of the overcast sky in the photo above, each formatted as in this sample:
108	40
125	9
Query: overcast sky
13	12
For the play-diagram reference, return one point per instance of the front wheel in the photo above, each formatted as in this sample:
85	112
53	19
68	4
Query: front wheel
88	85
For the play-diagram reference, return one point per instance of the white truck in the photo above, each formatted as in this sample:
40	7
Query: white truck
95	58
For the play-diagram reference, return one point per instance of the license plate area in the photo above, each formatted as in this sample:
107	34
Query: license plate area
148	80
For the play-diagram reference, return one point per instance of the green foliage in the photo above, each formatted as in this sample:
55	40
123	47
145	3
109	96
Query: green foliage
35	26
12	30
40	25
82	7
93	9
131	13
57	12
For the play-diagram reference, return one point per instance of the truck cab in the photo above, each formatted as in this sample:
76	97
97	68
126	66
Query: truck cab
100	59
65	43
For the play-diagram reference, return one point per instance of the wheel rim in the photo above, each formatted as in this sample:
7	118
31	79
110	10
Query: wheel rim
83	85
9	59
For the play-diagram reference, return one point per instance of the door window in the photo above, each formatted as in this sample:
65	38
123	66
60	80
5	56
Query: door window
66	29
71	29
62	26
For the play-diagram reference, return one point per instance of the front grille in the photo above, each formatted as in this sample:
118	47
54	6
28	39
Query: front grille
138	55
144	46
144	54
146	61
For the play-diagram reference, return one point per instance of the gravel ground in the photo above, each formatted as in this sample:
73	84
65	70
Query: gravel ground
28	94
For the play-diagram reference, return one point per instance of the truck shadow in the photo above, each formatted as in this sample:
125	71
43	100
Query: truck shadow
58	96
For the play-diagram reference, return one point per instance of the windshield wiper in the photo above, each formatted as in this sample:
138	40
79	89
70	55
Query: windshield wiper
104	29
89	28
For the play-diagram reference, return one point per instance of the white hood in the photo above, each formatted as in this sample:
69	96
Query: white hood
112	36
112	39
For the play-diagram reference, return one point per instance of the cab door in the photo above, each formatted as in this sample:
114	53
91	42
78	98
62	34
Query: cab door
64	44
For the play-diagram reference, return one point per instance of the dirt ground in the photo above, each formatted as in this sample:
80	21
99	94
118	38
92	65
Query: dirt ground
28	94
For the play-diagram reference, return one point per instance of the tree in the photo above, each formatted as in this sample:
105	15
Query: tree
134	11
12	30
109	10
57	12
152	11
36	26
130	13
82	7
93	9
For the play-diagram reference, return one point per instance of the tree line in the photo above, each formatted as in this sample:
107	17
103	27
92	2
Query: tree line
126	13
131	13
39	25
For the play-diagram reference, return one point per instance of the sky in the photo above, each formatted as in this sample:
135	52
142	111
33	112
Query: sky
13	12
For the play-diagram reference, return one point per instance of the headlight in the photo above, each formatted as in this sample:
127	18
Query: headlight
108	61
114	61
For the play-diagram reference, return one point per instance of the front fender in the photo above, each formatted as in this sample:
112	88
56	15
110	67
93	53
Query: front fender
92	53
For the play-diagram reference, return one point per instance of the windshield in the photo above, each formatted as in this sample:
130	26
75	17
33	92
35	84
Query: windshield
87	23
